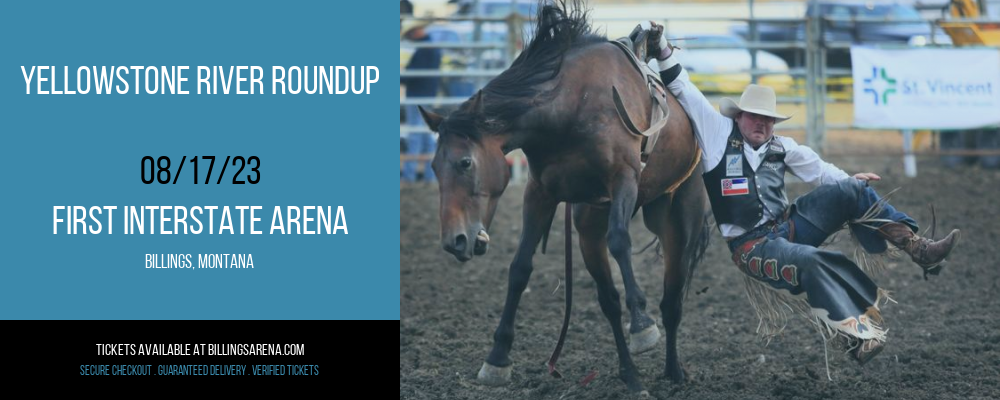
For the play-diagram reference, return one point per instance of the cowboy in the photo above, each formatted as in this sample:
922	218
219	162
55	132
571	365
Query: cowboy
777	243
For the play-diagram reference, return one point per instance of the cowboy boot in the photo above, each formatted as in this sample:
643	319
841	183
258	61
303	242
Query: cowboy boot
867	350
927	253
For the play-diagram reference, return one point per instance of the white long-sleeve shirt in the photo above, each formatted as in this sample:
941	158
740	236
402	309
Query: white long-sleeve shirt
712	131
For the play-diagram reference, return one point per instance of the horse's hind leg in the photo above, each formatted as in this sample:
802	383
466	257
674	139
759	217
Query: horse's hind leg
656	216
592	225
679	222
539	209
643	331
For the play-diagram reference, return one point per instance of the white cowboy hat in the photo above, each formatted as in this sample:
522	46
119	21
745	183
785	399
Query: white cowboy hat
755	99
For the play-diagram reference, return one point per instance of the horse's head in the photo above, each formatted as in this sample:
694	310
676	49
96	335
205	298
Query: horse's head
472	173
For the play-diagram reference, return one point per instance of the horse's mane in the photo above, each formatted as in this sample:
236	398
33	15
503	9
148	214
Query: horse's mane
558	29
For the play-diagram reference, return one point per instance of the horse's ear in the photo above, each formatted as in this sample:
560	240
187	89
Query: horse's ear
433	120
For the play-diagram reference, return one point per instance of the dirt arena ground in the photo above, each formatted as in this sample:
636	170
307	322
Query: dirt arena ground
943	336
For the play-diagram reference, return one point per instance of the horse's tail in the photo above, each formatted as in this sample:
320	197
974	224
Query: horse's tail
656	241
697	249
700	246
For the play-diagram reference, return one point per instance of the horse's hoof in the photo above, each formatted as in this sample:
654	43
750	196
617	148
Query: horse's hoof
644	340
677	375
494	376
636	388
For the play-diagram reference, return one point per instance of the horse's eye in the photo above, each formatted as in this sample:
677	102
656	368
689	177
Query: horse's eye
465	163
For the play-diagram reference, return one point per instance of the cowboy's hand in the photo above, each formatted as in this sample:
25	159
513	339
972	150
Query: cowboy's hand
867	176
657	40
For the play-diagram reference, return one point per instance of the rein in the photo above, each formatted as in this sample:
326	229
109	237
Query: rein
569	293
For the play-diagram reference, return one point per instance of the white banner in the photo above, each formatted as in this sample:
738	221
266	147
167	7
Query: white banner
926	88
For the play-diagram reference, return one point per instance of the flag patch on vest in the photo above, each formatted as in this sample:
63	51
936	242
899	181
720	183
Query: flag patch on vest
735	187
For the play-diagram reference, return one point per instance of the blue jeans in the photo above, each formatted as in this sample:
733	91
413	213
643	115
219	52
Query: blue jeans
823	211
418	142
787	257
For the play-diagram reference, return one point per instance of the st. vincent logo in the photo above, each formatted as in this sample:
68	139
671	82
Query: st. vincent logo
880	85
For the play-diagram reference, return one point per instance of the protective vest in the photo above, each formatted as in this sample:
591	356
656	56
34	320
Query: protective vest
739	195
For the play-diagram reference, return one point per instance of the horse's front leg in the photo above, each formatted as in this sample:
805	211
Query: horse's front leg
539	209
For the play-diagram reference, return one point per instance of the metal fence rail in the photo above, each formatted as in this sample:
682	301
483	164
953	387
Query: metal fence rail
815	74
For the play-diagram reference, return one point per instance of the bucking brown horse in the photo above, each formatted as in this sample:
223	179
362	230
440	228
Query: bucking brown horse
555	104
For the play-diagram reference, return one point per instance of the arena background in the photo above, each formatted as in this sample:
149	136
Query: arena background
943	338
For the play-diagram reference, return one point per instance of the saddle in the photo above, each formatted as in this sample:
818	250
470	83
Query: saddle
634	46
